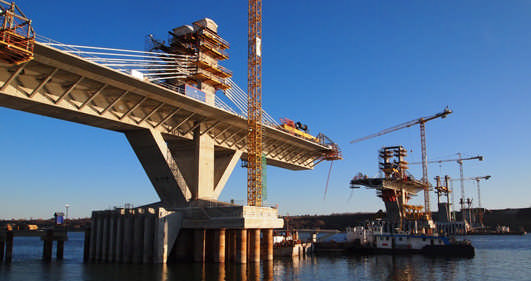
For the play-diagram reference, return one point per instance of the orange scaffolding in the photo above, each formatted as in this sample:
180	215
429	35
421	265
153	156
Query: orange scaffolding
17	37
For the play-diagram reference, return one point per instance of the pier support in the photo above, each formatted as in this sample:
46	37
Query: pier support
56	234
254	245
86	246
60	249
199	245
9	246
47	246
219	246
267	250
152	234
2	249
233	245
241	246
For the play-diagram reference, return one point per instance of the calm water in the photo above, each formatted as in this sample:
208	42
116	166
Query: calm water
497	258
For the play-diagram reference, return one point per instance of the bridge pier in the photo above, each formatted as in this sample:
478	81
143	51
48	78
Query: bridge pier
57	234
219	245
156	235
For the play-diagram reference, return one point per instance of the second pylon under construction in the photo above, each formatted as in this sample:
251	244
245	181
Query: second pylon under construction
396	188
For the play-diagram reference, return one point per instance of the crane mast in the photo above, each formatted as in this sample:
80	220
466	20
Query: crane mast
459	161
254	105
427	209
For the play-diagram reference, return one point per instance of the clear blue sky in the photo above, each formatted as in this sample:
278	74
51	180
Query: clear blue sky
346	68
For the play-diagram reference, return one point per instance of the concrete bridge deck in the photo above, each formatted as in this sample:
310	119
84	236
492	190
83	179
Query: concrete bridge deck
65	86
187	147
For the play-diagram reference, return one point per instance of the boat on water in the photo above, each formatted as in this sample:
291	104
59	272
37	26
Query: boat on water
374	240
406	228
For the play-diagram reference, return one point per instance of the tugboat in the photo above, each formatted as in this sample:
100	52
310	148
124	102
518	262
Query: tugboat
406	228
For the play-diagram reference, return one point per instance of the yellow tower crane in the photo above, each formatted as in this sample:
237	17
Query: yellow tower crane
254	105
421	121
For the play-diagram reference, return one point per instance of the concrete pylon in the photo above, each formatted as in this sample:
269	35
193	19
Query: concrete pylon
180	170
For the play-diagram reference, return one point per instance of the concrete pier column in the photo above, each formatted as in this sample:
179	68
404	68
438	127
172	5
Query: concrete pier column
86	246
219	245
128	236
241	252
199	245
60	249
118	252
105	237
112	237
138	238
149	235
92	242
9	246
47	245
267	252
2	248
99	236
254	245
233	244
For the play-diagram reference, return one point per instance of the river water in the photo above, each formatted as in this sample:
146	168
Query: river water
497	258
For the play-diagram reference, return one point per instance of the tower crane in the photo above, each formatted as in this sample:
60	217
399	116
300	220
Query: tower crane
254	105
477	180
421	121
459	161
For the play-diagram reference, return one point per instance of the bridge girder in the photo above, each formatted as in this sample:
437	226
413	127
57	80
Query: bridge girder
156	121
64	86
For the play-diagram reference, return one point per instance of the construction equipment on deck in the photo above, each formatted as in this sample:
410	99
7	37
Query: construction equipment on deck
421	121
17	37
254	105
296	128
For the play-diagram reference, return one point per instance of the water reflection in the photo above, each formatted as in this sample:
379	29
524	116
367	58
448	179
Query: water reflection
516	253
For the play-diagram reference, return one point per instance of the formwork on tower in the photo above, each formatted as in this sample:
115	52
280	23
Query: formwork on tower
17	37
396	188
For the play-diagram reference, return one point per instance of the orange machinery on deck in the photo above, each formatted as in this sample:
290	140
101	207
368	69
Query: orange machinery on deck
296	129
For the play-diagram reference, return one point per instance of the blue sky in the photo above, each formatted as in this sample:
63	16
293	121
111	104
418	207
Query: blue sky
345	68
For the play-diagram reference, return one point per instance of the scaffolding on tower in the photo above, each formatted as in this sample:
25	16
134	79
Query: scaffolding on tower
17	37
254	105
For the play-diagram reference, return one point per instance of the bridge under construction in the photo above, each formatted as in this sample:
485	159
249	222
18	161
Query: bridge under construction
186	121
